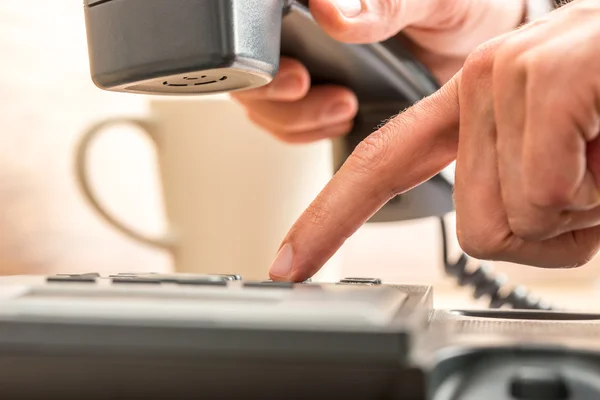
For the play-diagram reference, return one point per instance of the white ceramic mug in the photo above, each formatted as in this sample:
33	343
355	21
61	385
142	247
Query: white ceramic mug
230	190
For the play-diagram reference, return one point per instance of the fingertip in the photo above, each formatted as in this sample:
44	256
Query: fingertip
291	83
341	106
347	22
329	17
356	21
302	254
281	267
352	100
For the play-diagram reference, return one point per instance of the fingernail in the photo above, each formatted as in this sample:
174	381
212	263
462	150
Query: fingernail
286	84
349	8
340	110
282	264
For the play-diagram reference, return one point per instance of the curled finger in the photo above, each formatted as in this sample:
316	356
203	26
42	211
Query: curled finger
291	83
322	107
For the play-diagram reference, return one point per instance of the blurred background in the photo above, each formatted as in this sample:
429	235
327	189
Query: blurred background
47	100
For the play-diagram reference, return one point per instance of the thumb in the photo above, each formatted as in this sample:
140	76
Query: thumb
407	151
460	24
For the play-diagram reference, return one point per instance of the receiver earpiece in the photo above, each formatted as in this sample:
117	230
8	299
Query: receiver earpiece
183	47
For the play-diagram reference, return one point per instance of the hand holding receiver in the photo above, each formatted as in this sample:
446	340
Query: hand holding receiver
295	108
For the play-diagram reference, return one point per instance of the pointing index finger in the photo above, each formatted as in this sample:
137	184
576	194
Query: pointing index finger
404	153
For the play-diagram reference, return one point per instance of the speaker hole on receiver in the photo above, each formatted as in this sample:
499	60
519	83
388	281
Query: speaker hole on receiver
192	82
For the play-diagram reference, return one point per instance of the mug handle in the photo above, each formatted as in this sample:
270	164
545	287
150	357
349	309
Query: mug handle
165	241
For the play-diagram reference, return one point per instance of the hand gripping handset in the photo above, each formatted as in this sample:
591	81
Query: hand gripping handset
195	47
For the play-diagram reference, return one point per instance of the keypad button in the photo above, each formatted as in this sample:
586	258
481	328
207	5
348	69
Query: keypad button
231	277
183	279
300	283
137	273
201	282
269	284
178	279
361	281
136	280
133	274
73	278
87	275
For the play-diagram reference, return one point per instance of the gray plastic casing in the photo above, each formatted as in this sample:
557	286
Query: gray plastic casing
59	339
122	341
138	45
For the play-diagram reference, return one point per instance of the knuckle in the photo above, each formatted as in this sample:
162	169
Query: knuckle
478	245
580	10
535	63
479	63
317	214
372	153
454	12
512	51
554	194
582	257
534	224
388	13
522	58
524	228
473	246
367	155
587	245
585	257
389	8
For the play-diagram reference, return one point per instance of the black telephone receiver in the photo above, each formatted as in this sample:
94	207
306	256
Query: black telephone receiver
194	47
386	78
